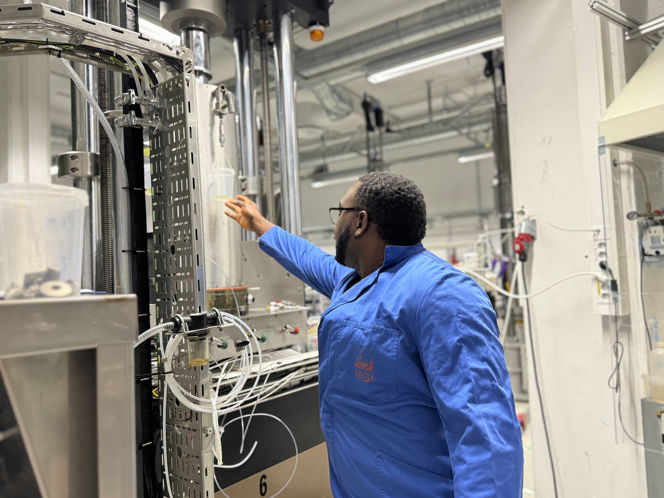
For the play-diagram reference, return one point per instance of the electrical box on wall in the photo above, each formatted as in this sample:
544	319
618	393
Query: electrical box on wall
608	252
653	240
606	291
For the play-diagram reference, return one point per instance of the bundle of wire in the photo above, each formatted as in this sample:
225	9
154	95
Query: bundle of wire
237	398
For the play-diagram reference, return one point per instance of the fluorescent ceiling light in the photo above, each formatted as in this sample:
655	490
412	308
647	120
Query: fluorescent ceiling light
158	33
436	59
335	179
469	158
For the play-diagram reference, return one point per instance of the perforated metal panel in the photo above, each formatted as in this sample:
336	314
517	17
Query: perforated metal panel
178	237
180	278
189	436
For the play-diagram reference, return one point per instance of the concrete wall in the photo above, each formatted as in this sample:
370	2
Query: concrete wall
555	96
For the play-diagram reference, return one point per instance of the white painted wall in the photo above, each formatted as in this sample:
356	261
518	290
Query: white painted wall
555	100
447	186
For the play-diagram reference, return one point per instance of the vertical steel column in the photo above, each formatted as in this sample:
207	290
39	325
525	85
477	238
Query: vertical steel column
290	171
198	41
85	137
105	100
268	185
244	48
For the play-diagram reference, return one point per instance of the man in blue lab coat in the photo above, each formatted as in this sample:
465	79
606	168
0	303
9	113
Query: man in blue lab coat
415	398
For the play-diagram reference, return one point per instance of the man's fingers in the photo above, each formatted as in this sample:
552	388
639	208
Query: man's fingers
243	198
233	215
232	206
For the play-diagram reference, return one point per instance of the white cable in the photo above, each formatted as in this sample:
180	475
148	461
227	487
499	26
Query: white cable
73	75
510	301
163	444
496	232
188	398
228	402
562	229
152	332
146	77
290	433
598	276
139	85
244	460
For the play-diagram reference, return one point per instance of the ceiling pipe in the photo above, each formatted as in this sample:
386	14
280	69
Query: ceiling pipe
408	137
394	36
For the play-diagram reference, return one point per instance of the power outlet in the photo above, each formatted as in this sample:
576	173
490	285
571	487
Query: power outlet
605	298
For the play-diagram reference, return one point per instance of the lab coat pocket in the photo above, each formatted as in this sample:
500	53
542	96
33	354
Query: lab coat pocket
366	361
399	479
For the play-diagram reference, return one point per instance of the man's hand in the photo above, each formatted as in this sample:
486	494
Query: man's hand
246	213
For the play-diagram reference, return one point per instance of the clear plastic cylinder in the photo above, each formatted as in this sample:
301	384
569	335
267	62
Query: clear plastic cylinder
222	235
198	349
42	227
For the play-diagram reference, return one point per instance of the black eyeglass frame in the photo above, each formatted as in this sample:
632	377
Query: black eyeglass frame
341	210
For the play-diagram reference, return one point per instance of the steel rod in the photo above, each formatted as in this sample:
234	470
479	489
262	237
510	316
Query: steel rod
268	187
290	171
198	41
243	47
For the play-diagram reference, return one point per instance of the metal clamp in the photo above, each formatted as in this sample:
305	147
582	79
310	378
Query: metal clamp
78	164
224	101
77	37
130	98
131	120
251	185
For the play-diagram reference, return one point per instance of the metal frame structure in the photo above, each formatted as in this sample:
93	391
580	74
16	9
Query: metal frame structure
68	368
56	25
177	218
648	31
177	198
180	276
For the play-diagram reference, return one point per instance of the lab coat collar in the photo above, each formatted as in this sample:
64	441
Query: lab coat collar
393	255
396	254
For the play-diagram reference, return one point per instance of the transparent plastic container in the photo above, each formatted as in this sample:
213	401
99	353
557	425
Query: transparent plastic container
198	349
656	372
222	235
41	249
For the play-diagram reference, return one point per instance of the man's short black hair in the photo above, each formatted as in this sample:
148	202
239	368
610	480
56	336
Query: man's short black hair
396	205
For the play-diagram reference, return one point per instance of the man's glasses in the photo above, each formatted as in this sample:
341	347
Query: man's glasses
335	213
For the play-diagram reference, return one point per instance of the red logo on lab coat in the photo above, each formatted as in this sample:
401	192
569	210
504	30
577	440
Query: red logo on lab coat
364	366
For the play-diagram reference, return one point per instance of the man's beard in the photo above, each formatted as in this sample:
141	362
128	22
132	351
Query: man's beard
342	245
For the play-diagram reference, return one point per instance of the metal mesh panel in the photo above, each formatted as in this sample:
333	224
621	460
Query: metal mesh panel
178	238
189	435
179	277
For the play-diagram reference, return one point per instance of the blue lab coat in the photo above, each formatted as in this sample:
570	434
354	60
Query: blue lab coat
415	399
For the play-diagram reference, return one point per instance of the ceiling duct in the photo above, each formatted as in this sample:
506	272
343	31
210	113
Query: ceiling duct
336	102
387	38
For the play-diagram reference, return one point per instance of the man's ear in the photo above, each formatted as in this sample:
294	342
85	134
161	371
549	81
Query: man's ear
362	224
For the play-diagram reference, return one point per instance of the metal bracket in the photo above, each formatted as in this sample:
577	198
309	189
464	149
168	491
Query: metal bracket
224	101
224	104
77	37
251	185
130	98
633	29
130	120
